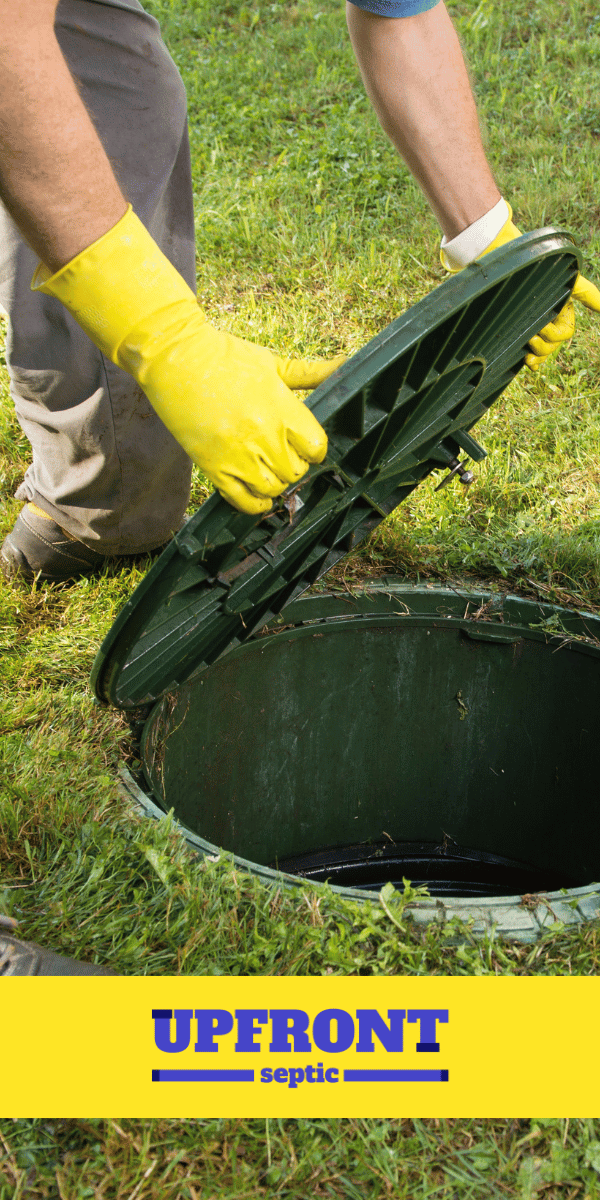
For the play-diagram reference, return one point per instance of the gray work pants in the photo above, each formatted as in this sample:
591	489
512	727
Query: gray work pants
104	466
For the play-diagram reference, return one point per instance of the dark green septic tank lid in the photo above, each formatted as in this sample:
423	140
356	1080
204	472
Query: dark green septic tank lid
399	409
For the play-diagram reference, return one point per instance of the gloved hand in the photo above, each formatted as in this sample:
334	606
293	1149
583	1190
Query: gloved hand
225	400
562	328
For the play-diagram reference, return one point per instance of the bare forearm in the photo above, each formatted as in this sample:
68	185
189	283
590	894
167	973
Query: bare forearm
415	76
55	177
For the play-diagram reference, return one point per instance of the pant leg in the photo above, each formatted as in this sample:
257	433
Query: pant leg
104	466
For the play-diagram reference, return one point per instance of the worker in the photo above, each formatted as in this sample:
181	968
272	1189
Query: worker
119	381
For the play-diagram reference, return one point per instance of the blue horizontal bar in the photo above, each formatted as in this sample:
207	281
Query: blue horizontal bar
166	1076
395	1076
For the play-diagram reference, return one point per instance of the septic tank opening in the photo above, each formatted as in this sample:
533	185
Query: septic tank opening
449	738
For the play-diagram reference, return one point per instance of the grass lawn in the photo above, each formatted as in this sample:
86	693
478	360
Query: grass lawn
518	1159
311	237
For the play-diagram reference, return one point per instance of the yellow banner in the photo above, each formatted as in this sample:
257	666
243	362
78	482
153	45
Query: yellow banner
300	1047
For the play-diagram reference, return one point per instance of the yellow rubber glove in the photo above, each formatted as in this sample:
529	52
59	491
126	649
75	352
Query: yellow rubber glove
225	400
562	328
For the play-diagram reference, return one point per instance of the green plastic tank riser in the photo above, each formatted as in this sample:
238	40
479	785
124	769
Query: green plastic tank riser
394	714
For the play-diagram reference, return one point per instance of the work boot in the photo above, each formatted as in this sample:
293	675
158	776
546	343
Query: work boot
25	958
37	546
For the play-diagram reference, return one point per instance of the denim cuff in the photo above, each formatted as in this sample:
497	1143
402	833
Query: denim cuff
395	8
